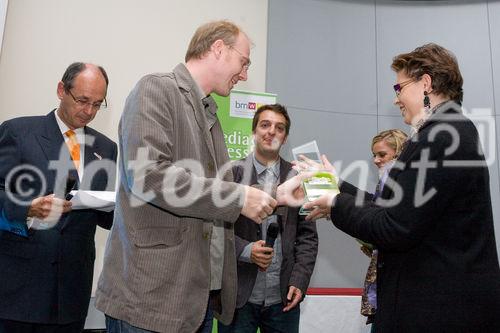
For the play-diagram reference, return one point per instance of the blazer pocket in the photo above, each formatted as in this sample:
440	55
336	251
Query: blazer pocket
158	238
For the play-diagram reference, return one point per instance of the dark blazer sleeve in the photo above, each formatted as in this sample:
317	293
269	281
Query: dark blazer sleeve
347	187
306	250
240	245
424	197
9	159
105	219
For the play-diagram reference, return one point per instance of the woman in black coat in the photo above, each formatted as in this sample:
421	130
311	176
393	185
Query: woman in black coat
438	267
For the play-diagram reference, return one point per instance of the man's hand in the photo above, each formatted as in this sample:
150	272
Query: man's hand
261	255
48	208
293	298
290	193
258	204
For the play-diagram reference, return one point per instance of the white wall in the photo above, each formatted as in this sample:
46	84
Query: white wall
3	13
129	38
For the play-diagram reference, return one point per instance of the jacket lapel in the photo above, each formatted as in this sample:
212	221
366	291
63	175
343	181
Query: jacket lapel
201	120
186	82
285	168
51	140
91	153
52	144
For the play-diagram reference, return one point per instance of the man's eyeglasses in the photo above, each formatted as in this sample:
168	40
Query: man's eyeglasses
83	103
247	62
399	86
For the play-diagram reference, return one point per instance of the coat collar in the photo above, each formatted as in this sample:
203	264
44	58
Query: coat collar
449	111
51	139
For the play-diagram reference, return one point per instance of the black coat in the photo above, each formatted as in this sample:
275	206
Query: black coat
47	277
299	241
438	267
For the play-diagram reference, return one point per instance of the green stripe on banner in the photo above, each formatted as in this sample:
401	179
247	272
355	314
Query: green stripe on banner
235	114
214	327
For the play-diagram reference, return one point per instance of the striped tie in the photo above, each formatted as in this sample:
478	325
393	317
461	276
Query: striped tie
74	148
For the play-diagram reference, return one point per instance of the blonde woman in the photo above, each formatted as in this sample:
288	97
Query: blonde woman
386	147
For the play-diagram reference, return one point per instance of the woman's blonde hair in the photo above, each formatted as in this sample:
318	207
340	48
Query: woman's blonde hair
394	139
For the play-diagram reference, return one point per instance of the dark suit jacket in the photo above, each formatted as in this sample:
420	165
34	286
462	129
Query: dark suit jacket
299	240
438	266
47	277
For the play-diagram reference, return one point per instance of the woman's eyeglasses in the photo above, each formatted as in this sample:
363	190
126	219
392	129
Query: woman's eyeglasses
399	86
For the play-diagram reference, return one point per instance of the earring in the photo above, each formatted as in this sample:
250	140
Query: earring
427	101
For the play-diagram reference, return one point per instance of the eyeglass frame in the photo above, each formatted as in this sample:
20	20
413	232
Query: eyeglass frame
398	87
248	62
82	103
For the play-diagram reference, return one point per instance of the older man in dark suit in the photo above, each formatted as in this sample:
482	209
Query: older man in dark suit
271	281
47	249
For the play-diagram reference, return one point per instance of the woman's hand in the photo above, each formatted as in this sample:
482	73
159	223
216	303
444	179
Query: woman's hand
321	207
305	164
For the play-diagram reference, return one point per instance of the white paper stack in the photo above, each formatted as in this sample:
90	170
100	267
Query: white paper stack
100	200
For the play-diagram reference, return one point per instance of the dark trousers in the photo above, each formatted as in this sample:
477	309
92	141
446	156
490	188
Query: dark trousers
208	321
12	326
270	319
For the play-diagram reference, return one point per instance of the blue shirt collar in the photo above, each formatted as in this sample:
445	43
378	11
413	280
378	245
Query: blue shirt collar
260	168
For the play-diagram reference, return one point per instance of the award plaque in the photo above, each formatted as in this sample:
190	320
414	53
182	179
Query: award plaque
321	183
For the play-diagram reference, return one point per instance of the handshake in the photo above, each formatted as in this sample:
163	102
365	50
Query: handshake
307	190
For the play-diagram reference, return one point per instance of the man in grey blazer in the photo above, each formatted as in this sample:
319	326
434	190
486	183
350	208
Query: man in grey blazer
271	283
169	261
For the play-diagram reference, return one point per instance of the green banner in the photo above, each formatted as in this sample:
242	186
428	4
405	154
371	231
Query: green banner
235	114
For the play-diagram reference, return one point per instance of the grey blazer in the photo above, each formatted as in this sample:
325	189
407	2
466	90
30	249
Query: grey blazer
157	262
299	240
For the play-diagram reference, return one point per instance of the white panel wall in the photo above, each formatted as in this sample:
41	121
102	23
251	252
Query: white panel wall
129	38
3	14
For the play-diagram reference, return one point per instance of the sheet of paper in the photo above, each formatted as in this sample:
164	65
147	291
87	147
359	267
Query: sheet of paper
100	200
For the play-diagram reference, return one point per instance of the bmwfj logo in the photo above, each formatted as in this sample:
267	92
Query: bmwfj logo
241	105
247	106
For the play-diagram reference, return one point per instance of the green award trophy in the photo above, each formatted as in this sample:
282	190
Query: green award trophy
322	182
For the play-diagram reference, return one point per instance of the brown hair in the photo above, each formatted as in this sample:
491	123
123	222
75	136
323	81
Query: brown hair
394	139
278	108
436	61
207	34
